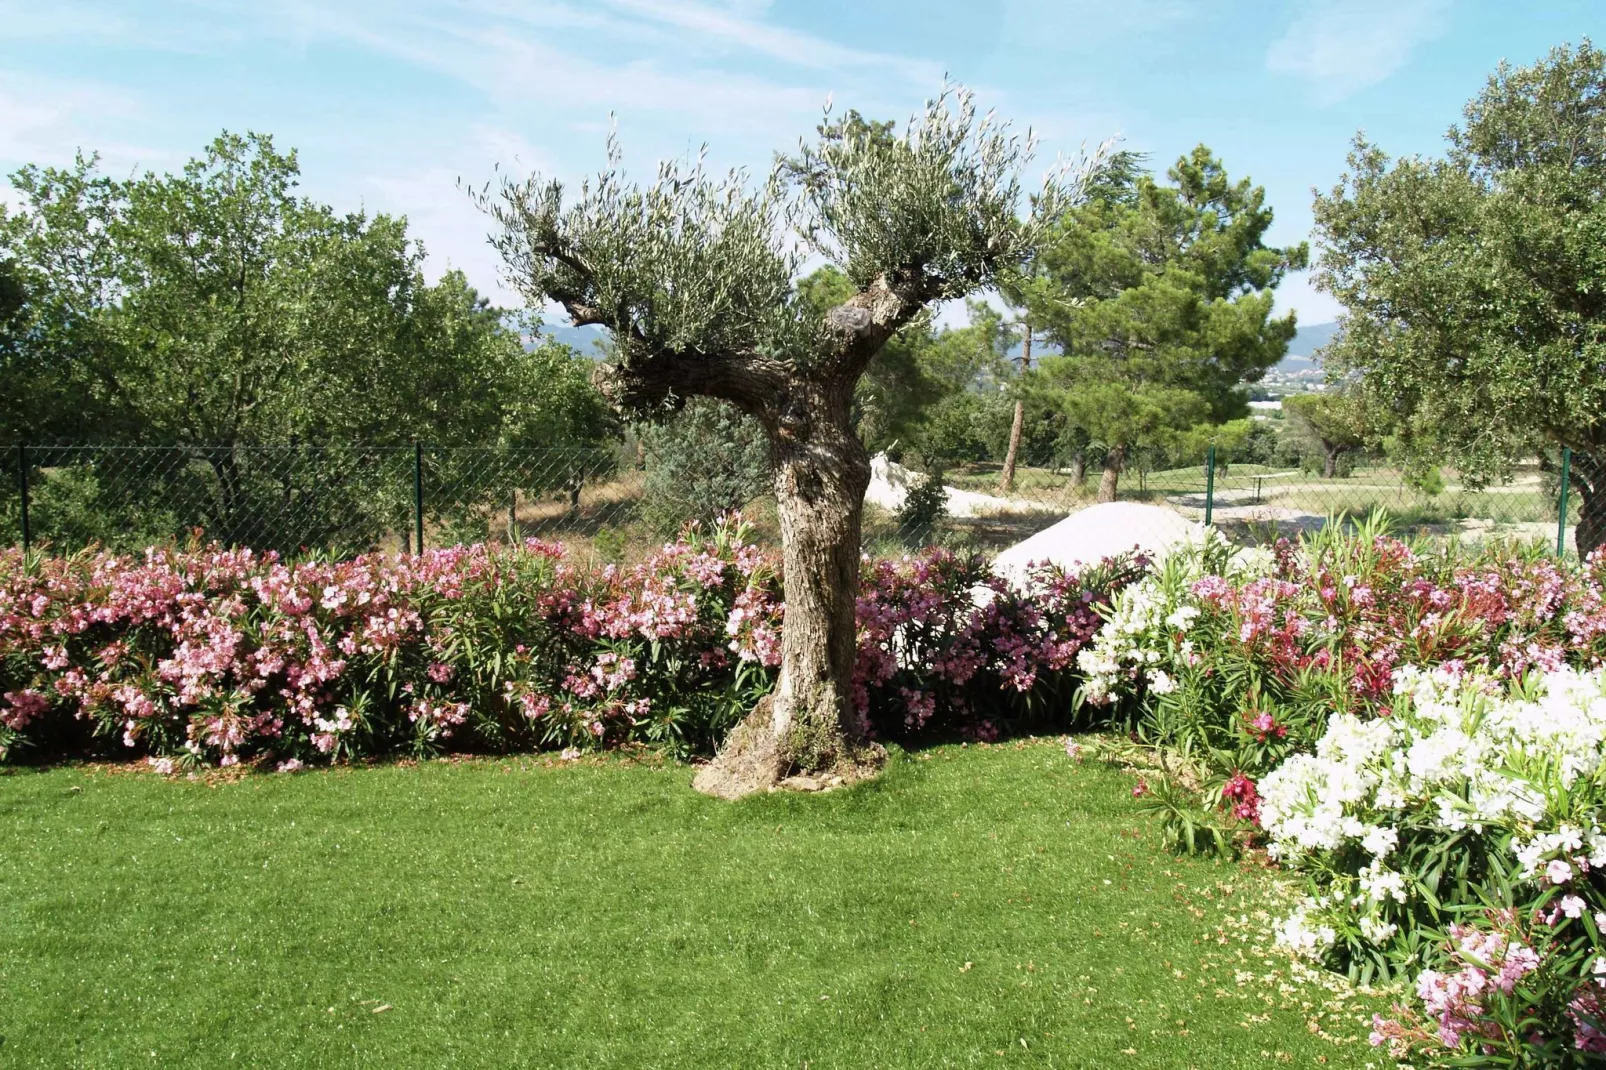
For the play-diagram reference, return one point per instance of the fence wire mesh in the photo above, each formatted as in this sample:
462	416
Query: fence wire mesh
335	500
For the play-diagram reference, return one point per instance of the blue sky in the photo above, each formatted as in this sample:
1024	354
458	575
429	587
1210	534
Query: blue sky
389	103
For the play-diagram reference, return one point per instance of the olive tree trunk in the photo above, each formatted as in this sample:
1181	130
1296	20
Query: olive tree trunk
808	725
819	497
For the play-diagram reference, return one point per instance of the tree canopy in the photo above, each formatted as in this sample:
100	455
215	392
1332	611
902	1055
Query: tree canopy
1160	296
1334	422
1473	283
216	309
217	306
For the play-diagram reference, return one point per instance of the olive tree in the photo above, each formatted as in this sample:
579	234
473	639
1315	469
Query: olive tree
696	277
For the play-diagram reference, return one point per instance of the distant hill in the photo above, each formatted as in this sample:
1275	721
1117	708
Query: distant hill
583	339
1309	338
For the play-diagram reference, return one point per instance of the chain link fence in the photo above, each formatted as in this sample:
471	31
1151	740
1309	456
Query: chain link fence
335	500
1257	503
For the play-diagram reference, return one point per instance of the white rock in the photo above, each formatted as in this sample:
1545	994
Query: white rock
890	483
1097	532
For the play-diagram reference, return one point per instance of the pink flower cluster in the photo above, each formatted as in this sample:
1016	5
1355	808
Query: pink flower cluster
1502	972
940	633
1359	610
1491	962
211	656
1242	797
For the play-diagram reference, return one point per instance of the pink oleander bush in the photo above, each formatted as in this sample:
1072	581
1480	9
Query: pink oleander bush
206	656
1513	990
210	656
947	647
1239	658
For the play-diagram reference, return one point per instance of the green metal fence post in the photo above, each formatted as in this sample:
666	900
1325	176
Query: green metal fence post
418	496
1561	515
22	488
1210	483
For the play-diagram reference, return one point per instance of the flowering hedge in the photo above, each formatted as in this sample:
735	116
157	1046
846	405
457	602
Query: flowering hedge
1241	657
211	656
1415	729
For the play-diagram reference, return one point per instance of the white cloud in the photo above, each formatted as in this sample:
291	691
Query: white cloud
1345	46
196	30
46	121
742	32
714	67
440	214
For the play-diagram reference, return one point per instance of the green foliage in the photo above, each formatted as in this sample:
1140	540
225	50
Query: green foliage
216	309
1161	298
1331	424
925	506
961	428
706	460
694	275
1474	287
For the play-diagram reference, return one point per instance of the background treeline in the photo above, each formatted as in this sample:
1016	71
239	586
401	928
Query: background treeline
223	340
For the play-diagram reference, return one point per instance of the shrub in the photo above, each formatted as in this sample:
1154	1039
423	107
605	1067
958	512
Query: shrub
211	657
947	647
1239	658
1461	833
924	508
1419	732
707	460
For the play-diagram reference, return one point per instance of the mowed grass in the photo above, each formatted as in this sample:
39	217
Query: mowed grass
993	906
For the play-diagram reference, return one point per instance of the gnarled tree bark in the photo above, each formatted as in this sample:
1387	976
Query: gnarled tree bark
822	470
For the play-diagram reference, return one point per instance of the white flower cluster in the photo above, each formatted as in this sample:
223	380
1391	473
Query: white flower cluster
1459	753
1142	642
1305	937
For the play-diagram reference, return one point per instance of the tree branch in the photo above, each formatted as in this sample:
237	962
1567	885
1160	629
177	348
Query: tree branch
858	328
649	377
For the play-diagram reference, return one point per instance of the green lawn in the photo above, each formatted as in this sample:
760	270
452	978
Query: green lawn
975	907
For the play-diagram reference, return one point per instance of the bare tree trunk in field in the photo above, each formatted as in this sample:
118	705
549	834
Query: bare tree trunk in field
1330	464
1114	461
1078	470
1007	482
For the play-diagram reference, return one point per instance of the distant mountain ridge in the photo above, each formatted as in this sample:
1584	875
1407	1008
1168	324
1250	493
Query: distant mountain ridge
1307	340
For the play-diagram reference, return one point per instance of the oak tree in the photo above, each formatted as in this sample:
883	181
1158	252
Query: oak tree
1474	284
